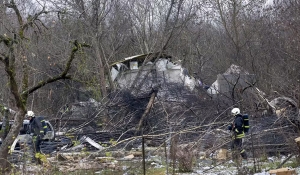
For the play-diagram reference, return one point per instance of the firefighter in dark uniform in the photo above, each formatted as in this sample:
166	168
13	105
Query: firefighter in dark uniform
237	127
38	128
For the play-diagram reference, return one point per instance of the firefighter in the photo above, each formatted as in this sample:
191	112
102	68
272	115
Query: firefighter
237	127
38	128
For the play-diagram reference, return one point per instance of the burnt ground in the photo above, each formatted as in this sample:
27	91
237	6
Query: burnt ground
187	123
192	118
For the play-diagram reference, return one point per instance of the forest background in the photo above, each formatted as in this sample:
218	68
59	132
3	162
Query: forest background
73	42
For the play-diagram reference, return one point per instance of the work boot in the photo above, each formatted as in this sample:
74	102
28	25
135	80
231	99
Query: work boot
244	155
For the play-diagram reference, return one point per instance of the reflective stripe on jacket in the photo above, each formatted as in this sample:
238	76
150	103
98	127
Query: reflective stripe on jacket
239	127
38	126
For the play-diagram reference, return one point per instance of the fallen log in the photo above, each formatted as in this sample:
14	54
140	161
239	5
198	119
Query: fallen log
150	104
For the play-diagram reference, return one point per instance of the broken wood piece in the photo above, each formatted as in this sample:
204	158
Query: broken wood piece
297	140
70	156
282	171
136	153
105	159
76	148
61	157
283	162
221	154
129	157
150	104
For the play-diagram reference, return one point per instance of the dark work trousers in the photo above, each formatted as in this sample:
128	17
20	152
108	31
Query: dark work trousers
36	143
237	147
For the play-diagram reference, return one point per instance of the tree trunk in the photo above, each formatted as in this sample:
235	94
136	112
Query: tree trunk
8	141
5	125
101	69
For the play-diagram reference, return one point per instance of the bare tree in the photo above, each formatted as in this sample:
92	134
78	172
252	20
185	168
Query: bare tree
14	57
233	17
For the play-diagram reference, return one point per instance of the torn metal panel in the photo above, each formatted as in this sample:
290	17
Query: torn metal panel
281	102
24	137
162	71
214	88
114	73
92	142
227	82
234	76
285	106
141	58
76	148
25	140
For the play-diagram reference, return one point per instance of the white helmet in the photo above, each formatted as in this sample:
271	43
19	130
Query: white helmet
235	111
29	114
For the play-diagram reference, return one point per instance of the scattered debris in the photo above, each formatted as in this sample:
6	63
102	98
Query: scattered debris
153	68
283	171
285	106
221	154
90	141
234	77
129	157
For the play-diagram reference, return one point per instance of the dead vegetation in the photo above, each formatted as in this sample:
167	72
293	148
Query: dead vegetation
188	128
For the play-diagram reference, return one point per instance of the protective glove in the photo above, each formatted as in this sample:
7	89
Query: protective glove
229	127
41	136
